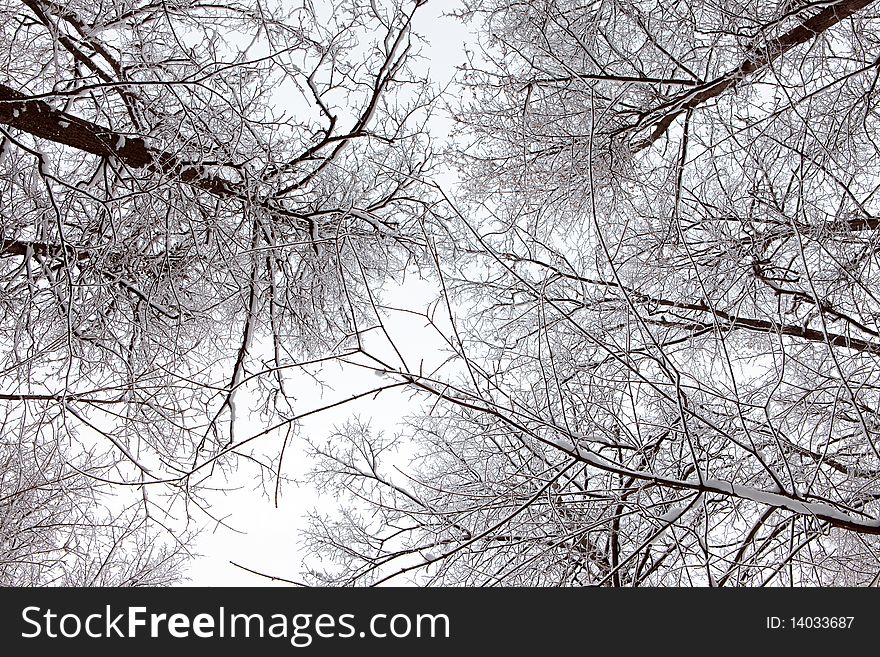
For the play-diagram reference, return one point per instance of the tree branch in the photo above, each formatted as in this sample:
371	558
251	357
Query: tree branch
757	58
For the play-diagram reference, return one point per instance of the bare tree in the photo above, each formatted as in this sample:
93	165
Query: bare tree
663	286
58	528
195	198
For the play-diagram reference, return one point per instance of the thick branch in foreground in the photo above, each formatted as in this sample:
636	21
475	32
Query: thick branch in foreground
757	58
14	247
38	118
730	321
821	511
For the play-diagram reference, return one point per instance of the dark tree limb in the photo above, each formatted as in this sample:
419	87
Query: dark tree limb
757	58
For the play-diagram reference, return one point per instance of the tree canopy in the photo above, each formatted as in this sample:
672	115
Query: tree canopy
655	280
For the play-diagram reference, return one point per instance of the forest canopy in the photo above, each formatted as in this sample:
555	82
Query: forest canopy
651	280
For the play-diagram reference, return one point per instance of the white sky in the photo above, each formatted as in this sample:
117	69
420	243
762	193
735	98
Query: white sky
267	539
